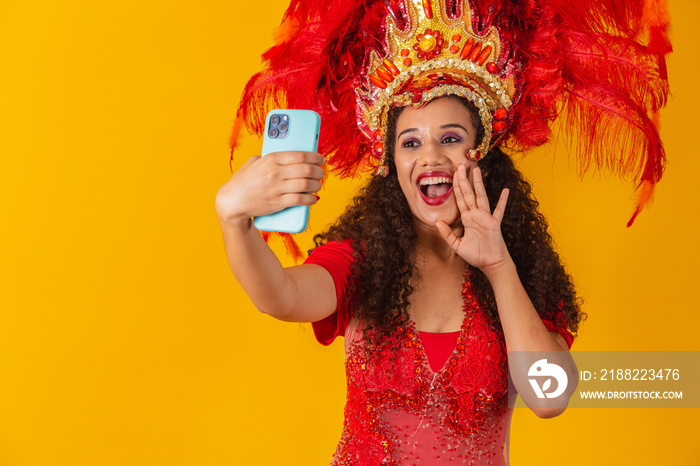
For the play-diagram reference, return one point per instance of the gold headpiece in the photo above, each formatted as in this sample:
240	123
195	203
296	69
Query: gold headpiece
434	55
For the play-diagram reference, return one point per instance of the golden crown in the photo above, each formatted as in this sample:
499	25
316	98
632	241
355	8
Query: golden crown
434	55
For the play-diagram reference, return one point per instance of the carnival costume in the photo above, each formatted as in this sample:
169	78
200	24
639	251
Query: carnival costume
597	67
403	407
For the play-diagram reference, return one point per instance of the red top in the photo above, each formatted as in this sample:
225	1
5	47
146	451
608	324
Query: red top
416	397
438	347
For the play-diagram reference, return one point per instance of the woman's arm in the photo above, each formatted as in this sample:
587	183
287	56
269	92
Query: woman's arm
304	293
524	332
482	246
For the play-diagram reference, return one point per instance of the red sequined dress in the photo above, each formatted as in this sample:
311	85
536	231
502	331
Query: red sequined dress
400	411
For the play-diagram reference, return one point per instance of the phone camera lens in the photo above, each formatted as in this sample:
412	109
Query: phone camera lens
274	132
283	127
275	119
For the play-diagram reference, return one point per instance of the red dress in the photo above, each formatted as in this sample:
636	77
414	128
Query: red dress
399	411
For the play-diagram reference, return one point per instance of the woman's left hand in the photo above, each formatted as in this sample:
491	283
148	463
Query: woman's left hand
482	244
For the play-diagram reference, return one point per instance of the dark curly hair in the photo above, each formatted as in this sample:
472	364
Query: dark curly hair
380	223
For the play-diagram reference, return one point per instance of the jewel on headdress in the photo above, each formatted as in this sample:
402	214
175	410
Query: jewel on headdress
391	67
385	75
378	81
474	154
429	44
467	48
427	9
483	55
426	42
475	52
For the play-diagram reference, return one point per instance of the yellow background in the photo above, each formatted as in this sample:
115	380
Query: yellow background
125	340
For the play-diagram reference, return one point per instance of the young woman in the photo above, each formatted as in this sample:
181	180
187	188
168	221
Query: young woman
442	271
437	301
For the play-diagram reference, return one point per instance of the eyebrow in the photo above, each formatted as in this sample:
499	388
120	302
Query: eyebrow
449	125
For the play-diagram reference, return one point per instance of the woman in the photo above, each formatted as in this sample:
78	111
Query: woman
442	272
440	235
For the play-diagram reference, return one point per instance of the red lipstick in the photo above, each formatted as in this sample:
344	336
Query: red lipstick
434	201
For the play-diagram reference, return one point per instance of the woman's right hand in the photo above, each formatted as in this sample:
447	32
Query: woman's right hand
264	185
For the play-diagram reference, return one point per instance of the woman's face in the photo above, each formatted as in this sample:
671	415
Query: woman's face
431	142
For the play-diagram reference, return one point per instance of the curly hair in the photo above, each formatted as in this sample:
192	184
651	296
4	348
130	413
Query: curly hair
380	224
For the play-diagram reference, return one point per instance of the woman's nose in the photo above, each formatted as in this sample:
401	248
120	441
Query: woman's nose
433	154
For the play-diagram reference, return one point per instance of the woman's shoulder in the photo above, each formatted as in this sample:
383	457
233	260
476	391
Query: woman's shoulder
333	247
337	256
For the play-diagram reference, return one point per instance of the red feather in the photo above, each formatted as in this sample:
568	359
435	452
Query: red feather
600	64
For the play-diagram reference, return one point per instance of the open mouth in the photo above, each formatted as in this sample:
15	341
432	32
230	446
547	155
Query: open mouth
435	187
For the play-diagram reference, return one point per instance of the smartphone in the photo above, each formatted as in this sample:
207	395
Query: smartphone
287	130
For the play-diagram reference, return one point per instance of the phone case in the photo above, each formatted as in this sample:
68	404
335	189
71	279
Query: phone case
302	135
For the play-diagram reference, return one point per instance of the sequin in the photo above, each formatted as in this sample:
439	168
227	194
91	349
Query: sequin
400	412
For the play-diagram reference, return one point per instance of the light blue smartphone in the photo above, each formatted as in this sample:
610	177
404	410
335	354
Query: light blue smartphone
287	130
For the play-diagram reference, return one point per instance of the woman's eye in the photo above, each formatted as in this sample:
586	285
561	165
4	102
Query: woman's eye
450	139
410	143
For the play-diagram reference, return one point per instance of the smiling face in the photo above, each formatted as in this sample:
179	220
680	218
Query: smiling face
431	142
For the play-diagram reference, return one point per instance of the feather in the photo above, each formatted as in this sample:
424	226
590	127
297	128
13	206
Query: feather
644	197
292	247
600	66
658	22
314	64
597	66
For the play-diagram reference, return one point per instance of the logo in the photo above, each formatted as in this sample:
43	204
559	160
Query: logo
552	371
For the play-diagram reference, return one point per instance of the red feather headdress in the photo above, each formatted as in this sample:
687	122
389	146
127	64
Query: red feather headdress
598	65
